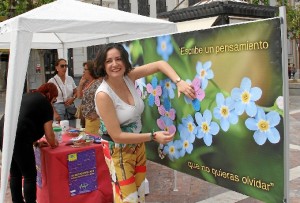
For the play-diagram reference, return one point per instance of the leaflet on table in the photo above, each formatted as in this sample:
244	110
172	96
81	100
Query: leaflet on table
82	172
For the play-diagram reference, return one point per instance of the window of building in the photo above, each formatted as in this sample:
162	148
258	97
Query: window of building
161	6
143	7
192	2
124	5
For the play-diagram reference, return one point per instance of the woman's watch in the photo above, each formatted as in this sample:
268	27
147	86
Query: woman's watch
177	80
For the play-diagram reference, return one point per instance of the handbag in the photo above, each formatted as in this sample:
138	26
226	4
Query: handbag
78	113
80	116
70	110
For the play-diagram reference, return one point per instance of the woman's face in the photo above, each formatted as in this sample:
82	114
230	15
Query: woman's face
86	73
114	65
62	67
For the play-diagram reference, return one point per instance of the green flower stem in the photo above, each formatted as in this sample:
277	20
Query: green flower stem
186	62
272	108
211	103
218	88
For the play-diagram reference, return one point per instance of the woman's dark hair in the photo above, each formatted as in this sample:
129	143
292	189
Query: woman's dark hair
91	68
102	54
57	62
49	90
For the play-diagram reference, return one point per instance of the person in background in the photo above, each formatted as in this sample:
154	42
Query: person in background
293	70
120	109
66	93
35	121
87	87
289	70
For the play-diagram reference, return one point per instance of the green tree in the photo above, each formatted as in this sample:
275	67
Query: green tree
11	8
293	25
293	22
261	2
3	8
292	12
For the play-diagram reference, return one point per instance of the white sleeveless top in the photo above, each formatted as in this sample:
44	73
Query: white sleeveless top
129	116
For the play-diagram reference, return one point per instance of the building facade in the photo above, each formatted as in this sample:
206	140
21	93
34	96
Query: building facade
150	8
155	9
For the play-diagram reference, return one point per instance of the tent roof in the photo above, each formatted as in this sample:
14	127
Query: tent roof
220	8
72	23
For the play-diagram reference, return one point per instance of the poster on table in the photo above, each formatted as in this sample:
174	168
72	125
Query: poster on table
232	134
82	172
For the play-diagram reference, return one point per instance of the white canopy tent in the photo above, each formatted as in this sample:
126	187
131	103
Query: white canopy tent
61	25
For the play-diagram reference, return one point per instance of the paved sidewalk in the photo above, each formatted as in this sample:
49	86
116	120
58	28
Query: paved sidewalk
188	189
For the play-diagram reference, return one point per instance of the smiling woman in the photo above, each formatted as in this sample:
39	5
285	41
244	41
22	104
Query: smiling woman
120	107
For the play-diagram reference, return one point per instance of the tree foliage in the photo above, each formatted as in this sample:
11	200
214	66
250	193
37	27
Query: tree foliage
261	2
3	8
11	8
293	22
292	15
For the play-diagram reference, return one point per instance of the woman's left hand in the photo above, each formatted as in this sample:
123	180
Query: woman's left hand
69	101
185	88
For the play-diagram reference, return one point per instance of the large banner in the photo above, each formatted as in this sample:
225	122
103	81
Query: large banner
232	135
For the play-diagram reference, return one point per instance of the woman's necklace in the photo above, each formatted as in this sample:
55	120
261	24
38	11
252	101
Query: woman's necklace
88	84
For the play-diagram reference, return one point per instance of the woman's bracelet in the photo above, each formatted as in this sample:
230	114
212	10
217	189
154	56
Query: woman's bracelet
152	135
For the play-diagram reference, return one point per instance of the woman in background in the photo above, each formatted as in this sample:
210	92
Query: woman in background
86	90
66	93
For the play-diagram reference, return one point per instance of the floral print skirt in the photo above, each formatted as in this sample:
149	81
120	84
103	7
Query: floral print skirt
127	167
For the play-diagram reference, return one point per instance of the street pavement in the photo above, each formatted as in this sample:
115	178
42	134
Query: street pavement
169	186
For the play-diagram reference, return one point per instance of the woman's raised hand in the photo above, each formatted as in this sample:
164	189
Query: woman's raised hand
185	88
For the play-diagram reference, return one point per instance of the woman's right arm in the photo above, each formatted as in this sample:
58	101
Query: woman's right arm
55	114
109	116
49	134
80	87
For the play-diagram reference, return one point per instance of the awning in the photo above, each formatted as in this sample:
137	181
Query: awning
237	19
198	24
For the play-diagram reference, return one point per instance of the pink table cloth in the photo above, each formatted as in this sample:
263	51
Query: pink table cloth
55	176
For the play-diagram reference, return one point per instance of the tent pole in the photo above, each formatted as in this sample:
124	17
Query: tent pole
18	63
282	14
